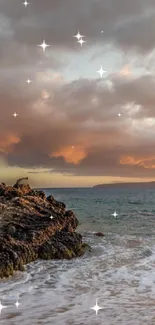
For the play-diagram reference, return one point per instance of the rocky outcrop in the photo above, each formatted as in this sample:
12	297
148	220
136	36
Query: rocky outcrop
100	234
34	227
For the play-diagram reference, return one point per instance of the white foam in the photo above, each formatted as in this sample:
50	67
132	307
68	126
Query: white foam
122	277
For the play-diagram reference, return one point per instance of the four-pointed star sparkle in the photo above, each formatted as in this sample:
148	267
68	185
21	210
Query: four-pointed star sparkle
28	81
78	36
44	45
25	3
115	214
81	41
1	307
17	304
96	308
15	114
101	71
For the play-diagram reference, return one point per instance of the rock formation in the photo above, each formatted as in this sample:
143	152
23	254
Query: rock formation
20	181
100	234
33	226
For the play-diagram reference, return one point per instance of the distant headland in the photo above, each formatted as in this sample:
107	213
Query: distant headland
127	185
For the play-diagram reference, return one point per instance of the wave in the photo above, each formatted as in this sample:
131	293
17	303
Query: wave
146	213
135	202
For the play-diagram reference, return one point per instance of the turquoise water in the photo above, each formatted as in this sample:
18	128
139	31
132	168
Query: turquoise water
120	270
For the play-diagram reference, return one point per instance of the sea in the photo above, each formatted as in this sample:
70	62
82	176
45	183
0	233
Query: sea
118	274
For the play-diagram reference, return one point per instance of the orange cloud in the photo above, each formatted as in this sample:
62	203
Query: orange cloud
144	162
57	77
125	71
7	142
45	94
73	154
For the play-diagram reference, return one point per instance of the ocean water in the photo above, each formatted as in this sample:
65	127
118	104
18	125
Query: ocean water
119	271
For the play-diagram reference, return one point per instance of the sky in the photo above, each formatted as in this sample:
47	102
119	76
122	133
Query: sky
68	132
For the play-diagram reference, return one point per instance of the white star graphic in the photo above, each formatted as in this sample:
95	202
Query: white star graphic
96	308
119	114
115	214
78	36
101	71
17	304
25	3
15	114
51	217
1	307
28	81
44	45
81	41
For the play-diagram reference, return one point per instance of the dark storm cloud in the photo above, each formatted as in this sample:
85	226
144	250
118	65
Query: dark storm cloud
129	24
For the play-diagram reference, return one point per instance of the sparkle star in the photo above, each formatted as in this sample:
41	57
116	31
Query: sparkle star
115	214
51	217
15	114
28	81
96	308
44	45
119	114
81	41
17	304
25	3
101	71
78	36
1	307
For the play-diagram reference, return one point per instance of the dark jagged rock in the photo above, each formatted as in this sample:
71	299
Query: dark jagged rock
100	234
23	181
28	233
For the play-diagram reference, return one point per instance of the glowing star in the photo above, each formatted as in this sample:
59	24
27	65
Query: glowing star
17	304
44	45
101	71
51	217
81	41
96	308
1	307
15	114
78	36
119	114
25	3
102	31
115	214
28	81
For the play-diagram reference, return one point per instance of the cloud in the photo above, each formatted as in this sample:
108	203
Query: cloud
7	141
73	126
71	155
126	25
72	134
146	162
